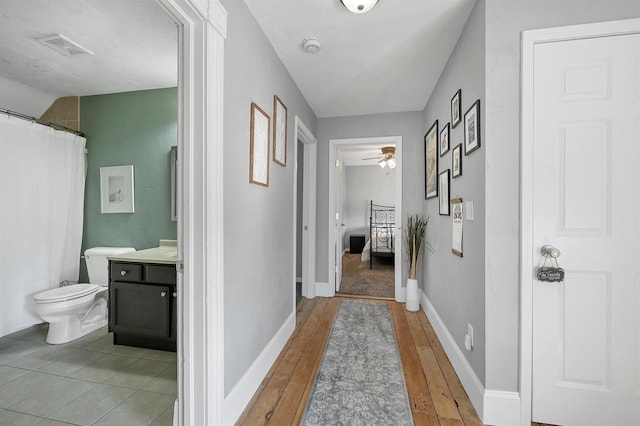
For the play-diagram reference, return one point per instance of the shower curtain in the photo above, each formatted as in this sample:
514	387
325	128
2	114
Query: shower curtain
42	175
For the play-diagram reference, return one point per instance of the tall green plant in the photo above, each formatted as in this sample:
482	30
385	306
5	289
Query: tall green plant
416	227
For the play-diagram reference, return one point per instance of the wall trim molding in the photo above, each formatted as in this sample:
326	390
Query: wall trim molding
468	378
324	290
501	408
493	407
243	391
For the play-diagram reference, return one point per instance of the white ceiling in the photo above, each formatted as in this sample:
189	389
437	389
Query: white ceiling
387	60
134	44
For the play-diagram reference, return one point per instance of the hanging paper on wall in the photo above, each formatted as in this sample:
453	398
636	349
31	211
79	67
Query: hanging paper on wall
458	220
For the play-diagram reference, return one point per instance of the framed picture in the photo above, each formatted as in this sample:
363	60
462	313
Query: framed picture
431	162
444	139
456	107
443	184
279	131
456	161
116	189
472	128
259	161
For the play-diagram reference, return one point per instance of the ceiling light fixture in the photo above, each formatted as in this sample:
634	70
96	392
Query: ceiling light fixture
359	6
382	163
311	45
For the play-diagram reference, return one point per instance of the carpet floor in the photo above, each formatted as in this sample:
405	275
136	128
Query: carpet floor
359	280
360	381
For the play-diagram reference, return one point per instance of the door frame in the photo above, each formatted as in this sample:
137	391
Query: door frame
309	185
334	145
202	29
529	40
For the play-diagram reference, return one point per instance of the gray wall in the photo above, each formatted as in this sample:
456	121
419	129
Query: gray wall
258	242
406	124
505	20
362	185
455	285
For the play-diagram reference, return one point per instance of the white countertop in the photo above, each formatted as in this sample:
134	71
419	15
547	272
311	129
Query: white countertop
166	252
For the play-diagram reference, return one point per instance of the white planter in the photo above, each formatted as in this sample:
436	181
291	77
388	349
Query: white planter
413	296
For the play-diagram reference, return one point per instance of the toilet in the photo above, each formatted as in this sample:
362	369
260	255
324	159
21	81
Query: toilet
75	310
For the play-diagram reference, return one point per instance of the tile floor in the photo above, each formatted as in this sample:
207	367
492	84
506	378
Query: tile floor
85	382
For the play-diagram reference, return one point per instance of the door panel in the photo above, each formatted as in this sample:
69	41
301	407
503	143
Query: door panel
586	330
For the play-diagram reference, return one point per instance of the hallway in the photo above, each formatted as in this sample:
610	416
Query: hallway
435	392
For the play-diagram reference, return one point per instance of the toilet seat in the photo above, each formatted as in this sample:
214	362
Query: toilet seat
65	293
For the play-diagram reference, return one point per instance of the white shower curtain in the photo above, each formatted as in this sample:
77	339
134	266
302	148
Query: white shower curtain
42	174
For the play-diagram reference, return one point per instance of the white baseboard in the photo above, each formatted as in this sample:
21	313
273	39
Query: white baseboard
494	407
243	391
324	290
501	408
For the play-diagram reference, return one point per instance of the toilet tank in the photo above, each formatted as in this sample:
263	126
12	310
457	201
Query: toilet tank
98	265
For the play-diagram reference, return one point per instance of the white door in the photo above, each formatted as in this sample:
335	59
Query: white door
340	225
586	330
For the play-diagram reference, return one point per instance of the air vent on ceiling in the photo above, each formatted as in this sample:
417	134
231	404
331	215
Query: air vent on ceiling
64	45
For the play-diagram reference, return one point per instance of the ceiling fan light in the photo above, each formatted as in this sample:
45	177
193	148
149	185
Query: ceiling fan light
391	162
359	6
382	163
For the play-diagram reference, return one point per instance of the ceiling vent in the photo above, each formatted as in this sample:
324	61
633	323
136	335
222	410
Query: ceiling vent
64	45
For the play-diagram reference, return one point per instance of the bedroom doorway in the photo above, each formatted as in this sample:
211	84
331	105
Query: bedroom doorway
359	185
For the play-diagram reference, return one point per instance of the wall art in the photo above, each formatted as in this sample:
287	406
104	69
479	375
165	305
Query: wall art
431	162
116	189
260	132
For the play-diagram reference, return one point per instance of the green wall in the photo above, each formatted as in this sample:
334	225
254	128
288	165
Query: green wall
136	128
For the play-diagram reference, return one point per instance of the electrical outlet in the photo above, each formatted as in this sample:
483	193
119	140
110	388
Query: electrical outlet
470	332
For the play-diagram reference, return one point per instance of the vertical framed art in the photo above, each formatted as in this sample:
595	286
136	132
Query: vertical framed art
456	108
444	139
259	158
116	189
444	192
431	162
472	128
279	131
456	161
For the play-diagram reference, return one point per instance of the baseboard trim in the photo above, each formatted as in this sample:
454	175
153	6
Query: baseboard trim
499	408
243	391
468	378
324	290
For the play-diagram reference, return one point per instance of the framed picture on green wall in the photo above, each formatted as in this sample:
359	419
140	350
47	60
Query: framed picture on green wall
116	189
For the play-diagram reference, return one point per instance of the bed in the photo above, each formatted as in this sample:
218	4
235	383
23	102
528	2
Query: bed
382	228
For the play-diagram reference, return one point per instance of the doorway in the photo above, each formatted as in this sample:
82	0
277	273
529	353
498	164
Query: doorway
579	194
304	208
342	227
368	264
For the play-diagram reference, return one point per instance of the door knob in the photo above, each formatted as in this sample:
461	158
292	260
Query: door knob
163	293
550	251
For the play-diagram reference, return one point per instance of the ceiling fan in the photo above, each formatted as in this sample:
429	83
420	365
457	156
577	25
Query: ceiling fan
387	158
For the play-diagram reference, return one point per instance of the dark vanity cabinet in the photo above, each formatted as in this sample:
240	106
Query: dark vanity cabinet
142	304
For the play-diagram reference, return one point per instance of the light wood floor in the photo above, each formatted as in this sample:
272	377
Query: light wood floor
435	392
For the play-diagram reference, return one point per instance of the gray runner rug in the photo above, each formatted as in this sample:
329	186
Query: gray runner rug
360	379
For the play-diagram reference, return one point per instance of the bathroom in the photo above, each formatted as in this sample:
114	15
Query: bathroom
135	127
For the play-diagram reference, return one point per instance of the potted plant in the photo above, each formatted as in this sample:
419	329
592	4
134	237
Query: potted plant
414	238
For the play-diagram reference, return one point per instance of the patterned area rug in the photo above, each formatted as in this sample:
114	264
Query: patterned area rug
360	380
359	280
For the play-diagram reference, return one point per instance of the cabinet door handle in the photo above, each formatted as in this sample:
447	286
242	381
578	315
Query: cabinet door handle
163	293
123	272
